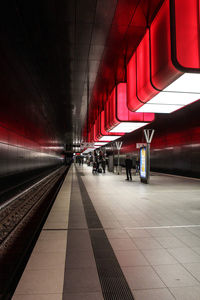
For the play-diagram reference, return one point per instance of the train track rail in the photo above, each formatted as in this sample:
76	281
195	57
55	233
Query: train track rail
21	219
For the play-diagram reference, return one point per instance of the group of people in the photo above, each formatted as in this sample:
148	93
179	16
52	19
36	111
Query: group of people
99	162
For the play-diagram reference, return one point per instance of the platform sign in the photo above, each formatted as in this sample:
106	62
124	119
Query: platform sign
140	145
143	164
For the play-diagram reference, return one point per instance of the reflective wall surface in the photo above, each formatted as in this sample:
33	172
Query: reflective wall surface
19	154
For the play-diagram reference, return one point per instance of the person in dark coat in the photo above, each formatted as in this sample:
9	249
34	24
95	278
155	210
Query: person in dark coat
129	165
137	166
103	164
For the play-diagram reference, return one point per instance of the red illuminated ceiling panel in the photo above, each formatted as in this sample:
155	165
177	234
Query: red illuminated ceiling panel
101	137
185	20
139	87
145	91
127	29
103	134
166	76
132	100
121	118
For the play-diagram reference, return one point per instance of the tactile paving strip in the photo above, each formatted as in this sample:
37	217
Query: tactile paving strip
113	283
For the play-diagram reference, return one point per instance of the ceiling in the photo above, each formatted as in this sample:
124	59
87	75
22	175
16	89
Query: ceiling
58	58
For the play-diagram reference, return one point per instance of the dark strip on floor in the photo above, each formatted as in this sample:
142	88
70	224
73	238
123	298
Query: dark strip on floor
113	283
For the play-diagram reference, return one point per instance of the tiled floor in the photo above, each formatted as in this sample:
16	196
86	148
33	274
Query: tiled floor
153	229
44	274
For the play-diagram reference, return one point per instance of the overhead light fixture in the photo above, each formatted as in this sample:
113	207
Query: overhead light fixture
119	118
99	133
128	126
163	74
88	150
104	134
100	143
109	138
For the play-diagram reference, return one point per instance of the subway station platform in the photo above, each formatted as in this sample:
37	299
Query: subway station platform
107	238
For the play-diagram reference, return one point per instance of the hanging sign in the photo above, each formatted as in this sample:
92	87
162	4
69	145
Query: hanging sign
140	145
118	145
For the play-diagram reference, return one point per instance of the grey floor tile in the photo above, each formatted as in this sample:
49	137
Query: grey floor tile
157	232
147	243
50	245
131	258
122	244
83	296
79	239
53	235
175	276
186	293
116	234
195	230
196	249
142	278
81	280
194	269
56	225
170	242
185	255
138	233
191	240
80	259
41	282
38	297
47	260
159	257
110	224
155	294
77	222
180	231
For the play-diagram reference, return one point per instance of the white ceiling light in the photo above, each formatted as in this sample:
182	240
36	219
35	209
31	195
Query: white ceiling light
188	83
128	126
99	143
109	138
158	108
88	150
183	91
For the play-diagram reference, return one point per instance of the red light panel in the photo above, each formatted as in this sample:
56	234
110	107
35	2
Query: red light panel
163	71
123	114
112	114
119	111
103	131
186	17
132	100
175	39
145	91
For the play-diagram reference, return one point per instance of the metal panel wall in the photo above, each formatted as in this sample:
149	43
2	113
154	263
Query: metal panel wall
19	154
14	159
180	160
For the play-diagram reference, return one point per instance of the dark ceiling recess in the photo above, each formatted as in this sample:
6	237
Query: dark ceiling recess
47	48
51	51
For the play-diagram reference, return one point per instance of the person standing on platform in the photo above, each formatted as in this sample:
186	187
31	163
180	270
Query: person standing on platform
103	164
137	165
129	165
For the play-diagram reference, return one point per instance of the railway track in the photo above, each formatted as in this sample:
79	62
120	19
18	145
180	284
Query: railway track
21	219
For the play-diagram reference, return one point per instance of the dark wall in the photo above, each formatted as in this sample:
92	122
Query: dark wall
182	160
19	154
